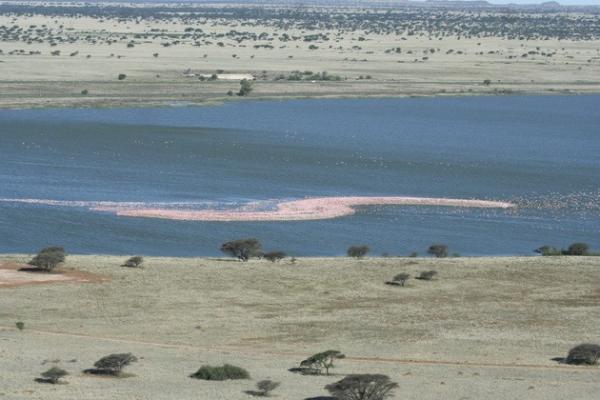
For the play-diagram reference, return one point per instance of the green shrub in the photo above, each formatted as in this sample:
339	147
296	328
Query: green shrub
358	251
20	325
121	77
220	373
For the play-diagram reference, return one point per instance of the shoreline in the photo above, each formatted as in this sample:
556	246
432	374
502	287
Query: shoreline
214	102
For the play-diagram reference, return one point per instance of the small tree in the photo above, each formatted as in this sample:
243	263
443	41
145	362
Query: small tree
53	375
113	364
585	353
49	258
322	360
245	87
242	249
438	250
274	256
400	279
134	262
358	251
362	387
266	386
427	275
578	249
220	373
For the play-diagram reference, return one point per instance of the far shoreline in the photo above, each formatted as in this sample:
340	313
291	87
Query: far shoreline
216	102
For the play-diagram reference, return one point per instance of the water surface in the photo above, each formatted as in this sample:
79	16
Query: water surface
542	152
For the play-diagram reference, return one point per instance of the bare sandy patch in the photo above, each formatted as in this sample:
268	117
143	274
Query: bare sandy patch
13	275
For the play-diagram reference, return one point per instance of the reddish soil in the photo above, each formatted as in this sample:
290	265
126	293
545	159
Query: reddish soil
14	275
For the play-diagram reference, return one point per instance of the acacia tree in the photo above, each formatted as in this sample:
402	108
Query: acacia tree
113	364
362	387
358	251
242	249
438	250
48	258
323	360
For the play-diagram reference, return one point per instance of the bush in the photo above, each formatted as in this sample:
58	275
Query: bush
274	256
321	361
121	77
577	249
427	275
358	251
399	280
220	373
584	354
134	262
245	87
53	375
242	249
362	387
49	258
438	250
20	325
265	387
548	251
113	364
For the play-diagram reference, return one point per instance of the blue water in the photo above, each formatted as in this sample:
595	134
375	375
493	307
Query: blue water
543	152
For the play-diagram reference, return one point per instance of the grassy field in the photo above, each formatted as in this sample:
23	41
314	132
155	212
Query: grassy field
484	328
75	60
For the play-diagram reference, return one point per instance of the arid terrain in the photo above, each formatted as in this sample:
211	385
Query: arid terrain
484	328
123	55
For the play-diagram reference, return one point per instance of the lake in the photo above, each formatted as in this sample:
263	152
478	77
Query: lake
542	153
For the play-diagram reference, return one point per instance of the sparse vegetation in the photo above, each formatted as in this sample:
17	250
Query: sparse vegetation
265	387
220	373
